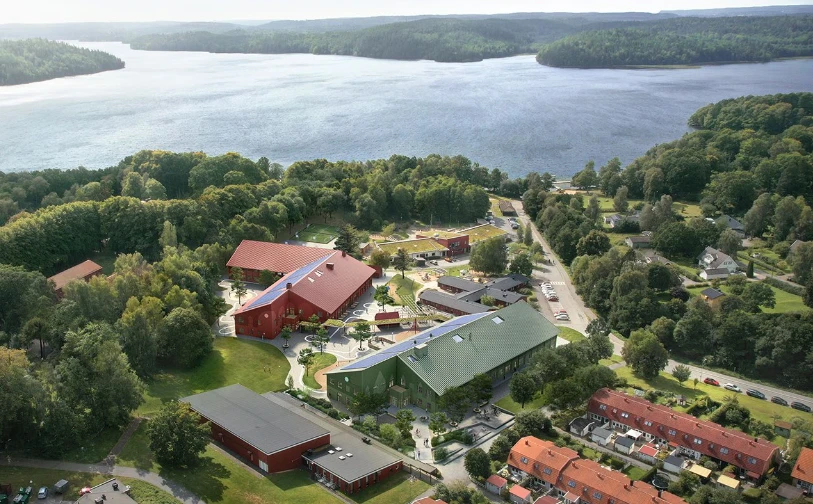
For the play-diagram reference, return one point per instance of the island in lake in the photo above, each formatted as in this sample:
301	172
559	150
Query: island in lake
34	60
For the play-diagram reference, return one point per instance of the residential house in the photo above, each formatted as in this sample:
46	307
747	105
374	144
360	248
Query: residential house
655	258
616	220
624	445
693	437
519	495
581	426
496	484
712	259
639	242
712	297
81	272
733	224
601	436
673	464
715	274
802	473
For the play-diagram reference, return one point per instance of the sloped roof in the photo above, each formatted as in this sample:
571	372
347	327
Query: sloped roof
509	282
275	257
452	302
459	283
648	450
602	432
673	460
613	484
803	469
731	223
716	271
712	293
263	424
521	492
497	481
540	455
624	441
639	239
507	297
78	272
740	446
717	257
359	460
728	481
485	344
580	423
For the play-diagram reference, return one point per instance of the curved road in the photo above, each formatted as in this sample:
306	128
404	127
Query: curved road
581	315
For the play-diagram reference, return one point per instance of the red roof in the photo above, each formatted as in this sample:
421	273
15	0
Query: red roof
497	481
327	283
79	272
387	315
648	450
274	257
658	421
429	500
546	499
522	493
540	458
803	469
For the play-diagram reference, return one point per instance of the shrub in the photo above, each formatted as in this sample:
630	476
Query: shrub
797	290
441	454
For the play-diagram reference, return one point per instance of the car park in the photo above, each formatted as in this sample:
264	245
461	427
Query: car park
779	400
800	406
732	387
755	393
711	381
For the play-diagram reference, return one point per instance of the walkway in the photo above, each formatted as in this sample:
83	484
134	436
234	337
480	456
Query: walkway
125	437
154	479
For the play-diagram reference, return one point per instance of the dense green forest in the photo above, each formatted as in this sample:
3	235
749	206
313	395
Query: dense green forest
33	60
685	41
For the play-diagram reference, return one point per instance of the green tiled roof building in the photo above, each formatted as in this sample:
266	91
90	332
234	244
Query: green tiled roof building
421	369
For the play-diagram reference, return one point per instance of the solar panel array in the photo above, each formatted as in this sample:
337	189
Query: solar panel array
418	339
278	288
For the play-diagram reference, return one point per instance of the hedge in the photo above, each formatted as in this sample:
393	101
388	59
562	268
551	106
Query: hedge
797	290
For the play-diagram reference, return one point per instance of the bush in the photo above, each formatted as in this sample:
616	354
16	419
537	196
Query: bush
322	405
441	454
797	290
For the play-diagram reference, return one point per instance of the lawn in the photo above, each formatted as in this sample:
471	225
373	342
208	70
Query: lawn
395	489
785	301
455	270
221	479
405	289
321	361
614	359
763	410
634	472
90	451
106	259
258	366
318	233
571	335
495	207
514	407
17	477
687	210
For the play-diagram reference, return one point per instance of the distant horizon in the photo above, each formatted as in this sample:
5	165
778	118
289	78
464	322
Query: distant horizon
239	11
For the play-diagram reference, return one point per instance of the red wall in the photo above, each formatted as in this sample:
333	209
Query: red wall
356	486
280	461
462	244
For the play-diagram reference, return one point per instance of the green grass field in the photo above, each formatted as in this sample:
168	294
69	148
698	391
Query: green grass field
514	407
634	472
105	259
614	359
320	362
763	410
785	301
258	366
405	289
395	489
221	479
319	233
571	335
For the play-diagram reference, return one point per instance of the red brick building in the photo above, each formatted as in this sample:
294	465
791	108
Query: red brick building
255	256
456	243
325	287
82	271
580	480
693	437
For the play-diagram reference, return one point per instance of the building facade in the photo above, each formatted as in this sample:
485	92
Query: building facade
802	473
83	271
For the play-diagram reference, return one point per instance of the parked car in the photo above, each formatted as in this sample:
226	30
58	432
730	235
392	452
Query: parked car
800	406
779	400
732	387
562	317
553	298
711	381
755	393
43	493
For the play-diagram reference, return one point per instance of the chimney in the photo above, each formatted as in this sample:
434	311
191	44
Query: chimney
421	350
329	266
288	285
660	492
632	483
527	443
344	253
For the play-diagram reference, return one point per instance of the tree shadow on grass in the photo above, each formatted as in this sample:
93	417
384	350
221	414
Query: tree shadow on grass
205	480
291	480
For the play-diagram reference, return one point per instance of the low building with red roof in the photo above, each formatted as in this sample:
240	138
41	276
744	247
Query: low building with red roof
495	484
519	495
579	480
546	499
255	256
692	436
648	453
83	271
325	287
429	500
802	473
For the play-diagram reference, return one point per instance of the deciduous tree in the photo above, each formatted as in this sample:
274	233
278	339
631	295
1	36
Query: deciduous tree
490	256
177	435
477	464
645	354
522	388
402	262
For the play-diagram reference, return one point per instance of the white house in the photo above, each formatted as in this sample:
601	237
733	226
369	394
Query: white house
714	274
712	259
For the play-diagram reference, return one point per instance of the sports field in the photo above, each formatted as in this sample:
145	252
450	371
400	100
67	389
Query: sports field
318	233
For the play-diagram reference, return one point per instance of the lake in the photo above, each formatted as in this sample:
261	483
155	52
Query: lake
510	113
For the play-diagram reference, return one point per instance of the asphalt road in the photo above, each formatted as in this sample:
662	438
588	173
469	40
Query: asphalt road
580	316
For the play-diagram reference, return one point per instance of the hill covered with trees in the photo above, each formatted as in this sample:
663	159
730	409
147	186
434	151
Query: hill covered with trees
33	60
685	41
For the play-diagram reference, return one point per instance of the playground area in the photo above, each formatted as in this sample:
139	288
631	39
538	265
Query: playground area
318	233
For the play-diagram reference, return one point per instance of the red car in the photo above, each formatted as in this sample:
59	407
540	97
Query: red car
711	381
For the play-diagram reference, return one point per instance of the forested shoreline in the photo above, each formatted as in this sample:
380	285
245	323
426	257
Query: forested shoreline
34	60
685	41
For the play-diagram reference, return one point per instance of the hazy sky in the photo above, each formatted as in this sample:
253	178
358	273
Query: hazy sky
52	11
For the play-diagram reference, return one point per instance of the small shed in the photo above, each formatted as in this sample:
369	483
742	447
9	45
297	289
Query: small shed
601	436
782	428
495	484
519	495
699	470
728	482
581	426
633	434
673	464
715	273
624	445
648	453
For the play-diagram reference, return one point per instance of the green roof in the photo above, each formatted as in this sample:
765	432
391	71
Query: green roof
418	246
482	232
454	358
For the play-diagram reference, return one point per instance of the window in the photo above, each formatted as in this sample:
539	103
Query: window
647	423
602	407
672	432
457	338
698	441
547	470
497	320
571	484
752	460
724	451
625	415
524	460
597	495
420	389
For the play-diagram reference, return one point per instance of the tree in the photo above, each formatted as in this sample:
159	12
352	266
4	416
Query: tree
403	421
749	272
802	263
500	449
477	464
528	239
490	256
759	294
305	359
238	287
177	435
285	334
520	233
348	240
645	354
169	235
36	329
437	423
312	323
362	332
586	178
402	262
620	202
522	388
729	242
593	210
322	338
487	300
139	331
380	258
382	296
681	373
594	243
522	264
390	435
455	401
267	278
532	423
185	338
759	217
481	387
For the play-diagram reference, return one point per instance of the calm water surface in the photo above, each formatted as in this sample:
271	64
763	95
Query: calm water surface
511	113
